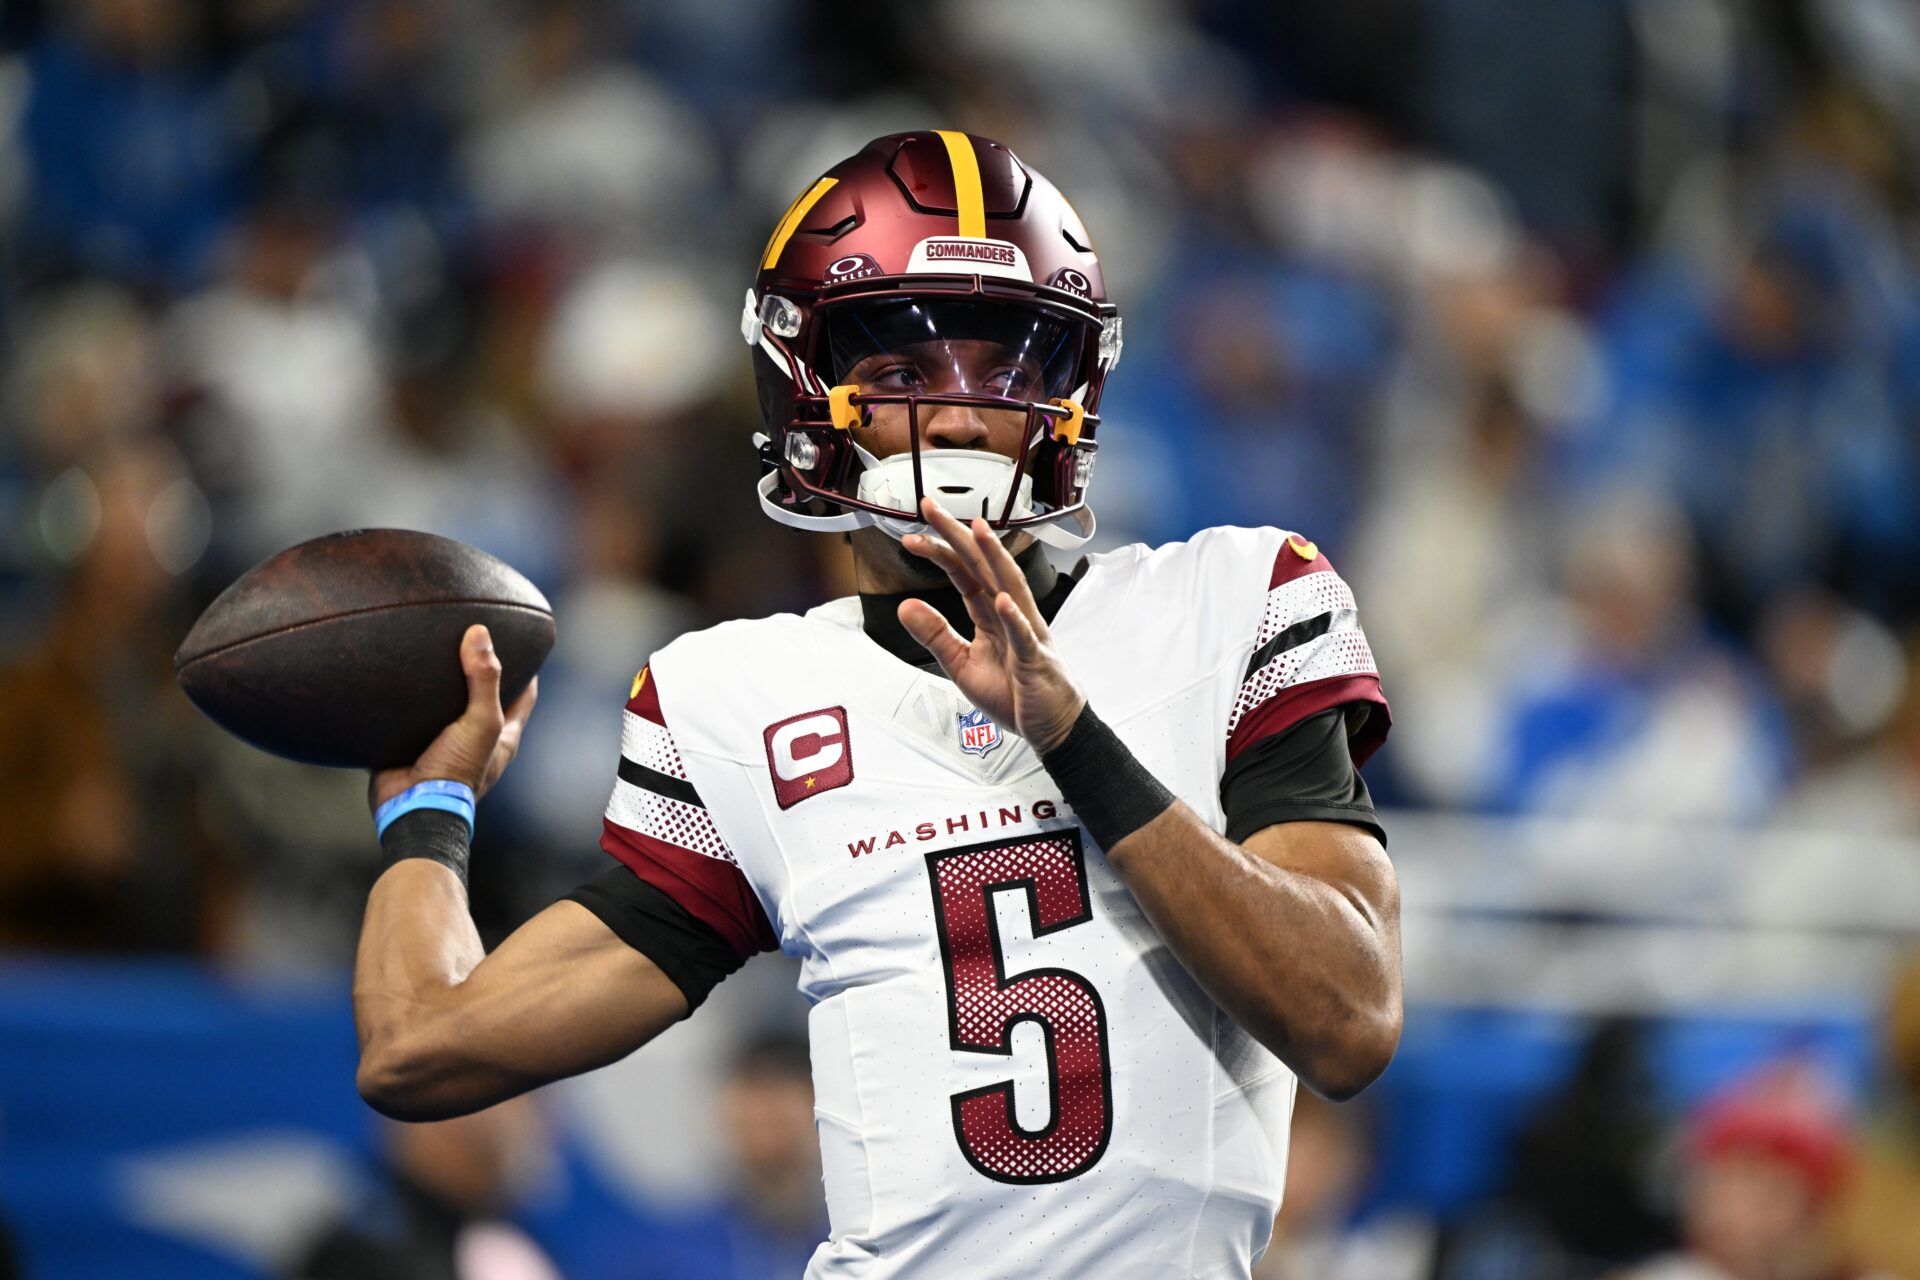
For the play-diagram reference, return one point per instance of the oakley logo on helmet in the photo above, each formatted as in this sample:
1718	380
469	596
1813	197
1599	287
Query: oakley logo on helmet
1073	281
808	754
855	266
972	257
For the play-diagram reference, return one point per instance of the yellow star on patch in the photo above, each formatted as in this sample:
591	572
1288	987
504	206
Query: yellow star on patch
638	681
1302	548
809	784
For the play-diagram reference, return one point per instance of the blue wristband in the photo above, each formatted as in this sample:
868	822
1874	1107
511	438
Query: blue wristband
435	793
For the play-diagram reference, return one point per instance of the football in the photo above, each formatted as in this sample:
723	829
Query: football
345	650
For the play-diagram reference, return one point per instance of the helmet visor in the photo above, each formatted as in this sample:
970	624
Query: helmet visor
917	346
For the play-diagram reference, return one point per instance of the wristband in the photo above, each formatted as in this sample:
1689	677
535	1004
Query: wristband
1106	785
436	793
434	834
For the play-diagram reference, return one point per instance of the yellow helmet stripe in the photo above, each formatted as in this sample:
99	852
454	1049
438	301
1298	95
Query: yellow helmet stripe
966	183
790	220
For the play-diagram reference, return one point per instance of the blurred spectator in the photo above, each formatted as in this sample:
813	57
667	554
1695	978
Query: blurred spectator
103	848
773	1217
133	163
1763	394
1585	1164
1764	1161
577	140
1877	1213
1267	381
288	397
1840	672
84	378
1453	552
1582	1195
438	1210
1315	1237
1875	788
1632	707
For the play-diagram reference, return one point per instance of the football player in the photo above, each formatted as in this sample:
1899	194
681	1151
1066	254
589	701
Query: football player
1078	865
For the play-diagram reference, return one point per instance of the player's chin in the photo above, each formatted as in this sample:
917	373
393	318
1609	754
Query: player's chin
879	544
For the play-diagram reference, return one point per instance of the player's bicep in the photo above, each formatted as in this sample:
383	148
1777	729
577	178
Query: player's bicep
561	995
1348	859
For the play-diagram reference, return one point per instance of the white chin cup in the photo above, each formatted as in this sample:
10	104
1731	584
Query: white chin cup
967	482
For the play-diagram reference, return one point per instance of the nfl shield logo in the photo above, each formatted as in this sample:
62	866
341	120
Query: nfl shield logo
978	735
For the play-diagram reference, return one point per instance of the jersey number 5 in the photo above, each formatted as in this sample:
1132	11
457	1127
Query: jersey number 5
985	1003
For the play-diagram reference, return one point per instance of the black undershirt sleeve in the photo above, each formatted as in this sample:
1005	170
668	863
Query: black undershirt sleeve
1304	774
646	919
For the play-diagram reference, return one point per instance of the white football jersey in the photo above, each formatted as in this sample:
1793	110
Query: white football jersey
1013	1075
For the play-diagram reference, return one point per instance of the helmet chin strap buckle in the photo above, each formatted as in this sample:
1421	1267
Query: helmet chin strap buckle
841	409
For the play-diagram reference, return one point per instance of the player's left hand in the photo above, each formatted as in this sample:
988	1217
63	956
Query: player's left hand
1010	669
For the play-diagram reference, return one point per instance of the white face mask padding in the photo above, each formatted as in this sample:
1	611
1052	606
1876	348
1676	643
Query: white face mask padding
966	482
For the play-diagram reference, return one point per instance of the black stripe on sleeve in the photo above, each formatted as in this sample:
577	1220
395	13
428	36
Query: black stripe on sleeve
1294	636
660	783
646	919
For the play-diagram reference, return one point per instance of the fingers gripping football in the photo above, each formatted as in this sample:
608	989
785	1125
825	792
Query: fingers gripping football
1010	669
476	748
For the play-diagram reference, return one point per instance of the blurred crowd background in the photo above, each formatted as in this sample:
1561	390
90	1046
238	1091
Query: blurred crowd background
1584	334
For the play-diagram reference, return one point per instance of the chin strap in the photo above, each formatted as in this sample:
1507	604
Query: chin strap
845	522
1056	534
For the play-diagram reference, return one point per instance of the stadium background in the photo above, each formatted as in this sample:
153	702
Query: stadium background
1583	334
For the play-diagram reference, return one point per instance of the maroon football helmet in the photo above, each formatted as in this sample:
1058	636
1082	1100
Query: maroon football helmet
919	248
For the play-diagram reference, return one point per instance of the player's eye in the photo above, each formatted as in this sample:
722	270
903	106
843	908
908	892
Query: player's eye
896	377
1009	381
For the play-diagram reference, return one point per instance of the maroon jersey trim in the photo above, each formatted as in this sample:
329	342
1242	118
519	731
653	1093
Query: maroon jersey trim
646	699
1290	706
1289	562
712	890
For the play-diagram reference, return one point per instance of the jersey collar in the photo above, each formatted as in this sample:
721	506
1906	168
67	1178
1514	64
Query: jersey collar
880	612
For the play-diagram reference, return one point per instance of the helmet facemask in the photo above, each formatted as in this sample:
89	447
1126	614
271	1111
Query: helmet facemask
1019	370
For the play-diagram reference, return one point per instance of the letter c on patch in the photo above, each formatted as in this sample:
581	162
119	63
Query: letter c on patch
809	754
827	742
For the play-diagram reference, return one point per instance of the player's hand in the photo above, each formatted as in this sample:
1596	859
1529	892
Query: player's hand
1010	669
476	748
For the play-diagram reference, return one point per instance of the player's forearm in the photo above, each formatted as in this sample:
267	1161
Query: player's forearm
1310	968
445	1030
417	944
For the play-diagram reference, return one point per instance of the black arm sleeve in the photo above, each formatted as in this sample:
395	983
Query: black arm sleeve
1305	774
687	951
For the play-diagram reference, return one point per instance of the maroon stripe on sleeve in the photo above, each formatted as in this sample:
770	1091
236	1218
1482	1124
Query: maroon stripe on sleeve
1290	564
1290	706
712	890
646	699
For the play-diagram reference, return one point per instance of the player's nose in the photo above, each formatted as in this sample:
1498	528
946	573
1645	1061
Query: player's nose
952	426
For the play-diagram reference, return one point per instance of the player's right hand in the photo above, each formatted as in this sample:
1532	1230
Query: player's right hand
477	748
